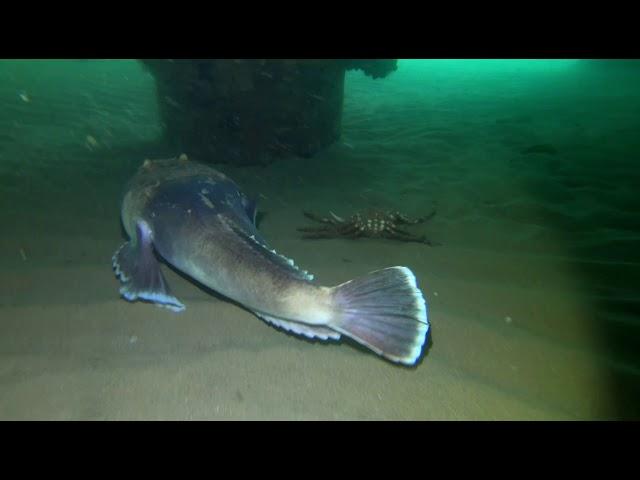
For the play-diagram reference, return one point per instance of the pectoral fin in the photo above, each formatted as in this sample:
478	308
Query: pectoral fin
138	269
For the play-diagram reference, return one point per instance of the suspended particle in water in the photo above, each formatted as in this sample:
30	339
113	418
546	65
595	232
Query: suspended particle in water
91	142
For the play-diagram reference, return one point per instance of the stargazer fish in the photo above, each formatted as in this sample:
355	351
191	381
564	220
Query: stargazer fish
199	221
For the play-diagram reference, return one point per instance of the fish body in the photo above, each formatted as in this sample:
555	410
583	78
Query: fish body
199	221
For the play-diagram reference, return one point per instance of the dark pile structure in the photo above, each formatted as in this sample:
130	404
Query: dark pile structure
253	111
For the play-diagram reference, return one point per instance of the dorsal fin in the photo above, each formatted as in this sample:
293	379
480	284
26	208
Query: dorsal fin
260	245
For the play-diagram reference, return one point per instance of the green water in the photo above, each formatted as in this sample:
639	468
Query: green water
523	159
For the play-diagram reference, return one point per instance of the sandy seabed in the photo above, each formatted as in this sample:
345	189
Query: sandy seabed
511	336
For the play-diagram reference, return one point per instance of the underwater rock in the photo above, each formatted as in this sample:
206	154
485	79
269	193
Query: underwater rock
254	111
541	148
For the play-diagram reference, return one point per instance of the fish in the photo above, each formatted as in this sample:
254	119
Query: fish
197	220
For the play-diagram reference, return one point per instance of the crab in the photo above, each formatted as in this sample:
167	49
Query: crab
371	224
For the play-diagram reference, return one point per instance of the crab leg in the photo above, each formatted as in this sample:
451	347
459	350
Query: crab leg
396	234
349	230
320	234
315	230
403	219
318	218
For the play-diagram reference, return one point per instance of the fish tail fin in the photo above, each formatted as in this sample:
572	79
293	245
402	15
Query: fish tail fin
384	311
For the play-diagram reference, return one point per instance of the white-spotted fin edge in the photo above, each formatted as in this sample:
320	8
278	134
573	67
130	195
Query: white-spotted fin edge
309	331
